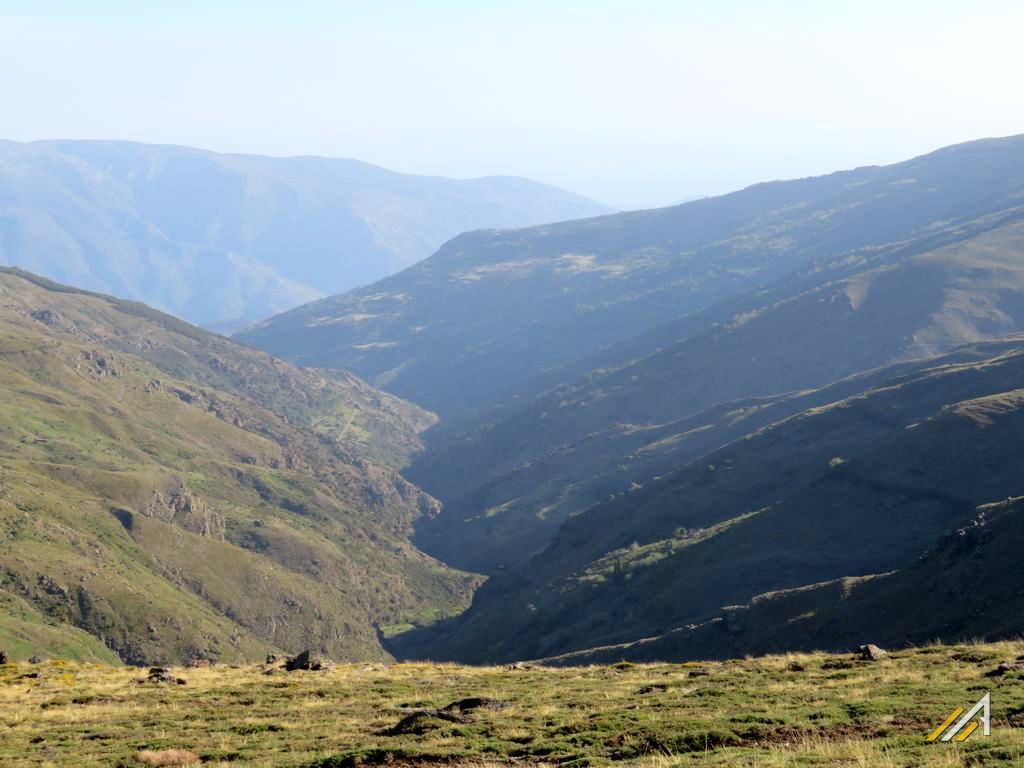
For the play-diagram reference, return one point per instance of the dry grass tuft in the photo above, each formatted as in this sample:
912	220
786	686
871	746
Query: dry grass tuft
169	757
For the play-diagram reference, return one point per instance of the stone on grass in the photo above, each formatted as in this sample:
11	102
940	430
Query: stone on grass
476	702
310	661
161	675
1005	668
870	652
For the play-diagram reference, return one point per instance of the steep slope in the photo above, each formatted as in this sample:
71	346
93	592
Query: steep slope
165	490
214	237
968	587
374	425
473	323
855	487
508	484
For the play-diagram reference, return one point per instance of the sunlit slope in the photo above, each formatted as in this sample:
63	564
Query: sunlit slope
164	490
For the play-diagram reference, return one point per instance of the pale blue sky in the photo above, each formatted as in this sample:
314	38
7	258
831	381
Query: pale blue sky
635	104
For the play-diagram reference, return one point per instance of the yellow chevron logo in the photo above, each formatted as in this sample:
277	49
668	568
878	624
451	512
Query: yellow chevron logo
961	724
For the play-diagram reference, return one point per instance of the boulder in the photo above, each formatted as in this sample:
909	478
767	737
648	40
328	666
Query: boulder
161	675
35	660
870	652
520	666
475	702
654	688
310	661
3	657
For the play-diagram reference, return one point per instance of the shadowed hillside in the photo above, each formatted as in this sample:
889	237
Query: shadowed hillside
507	484
854	487
966	586
473	323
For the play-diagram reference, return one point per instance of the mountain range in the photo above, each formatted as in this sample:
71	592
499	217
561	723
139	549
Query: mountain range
788	418
649	417
225	239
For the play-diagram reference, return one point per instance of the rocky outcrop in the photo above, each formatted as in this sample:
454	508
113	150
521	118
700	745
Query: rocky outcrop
870	652
310	661
182	507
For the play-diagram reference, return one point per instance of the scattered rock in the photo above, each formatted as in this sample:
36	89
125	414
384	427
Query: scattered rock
161	675
796	666
699	672
35	660
273	658
656	688
3	657
307	660
199	663
870	652
30	676
1005	668
520	666
832	664
475	702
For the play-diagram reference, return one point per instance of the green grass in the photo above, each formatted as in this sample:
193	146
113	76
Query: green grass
174	495
782	711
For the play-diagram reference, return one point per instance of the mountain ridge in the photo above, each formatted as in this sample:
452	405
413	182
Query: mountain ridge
500	307
222	237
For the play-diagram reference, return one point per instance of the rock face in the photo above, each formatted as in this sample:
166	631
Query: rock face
180	506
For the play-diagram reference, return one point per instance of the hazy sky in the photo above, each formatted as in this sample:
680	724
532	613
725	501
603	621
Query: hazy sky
631	103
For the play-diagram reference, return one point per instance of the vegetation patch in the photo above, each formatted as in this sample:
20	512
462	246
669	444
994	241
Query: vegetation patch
749	713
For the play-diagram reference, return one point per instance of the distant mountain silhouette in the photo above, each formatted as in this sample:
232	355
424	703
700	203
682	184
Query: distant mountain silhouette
216	237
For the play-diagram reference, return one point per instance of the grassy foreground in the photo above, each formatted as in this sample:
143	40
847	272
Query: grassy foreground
798	710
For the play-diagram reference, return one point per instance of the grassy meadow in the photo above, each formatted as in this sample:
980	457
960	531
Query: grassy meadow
795	710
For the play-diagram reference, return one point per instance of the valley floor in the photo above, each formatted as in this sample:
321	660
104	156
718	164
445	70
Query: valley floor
797	710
